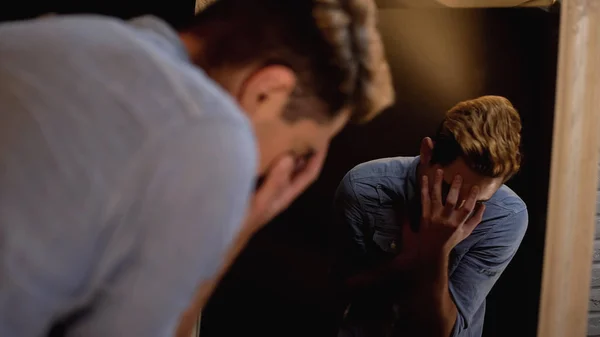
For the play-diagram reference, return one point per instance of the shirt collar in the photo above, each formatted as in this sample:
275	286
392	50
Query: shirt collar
413	195
412	186
162	29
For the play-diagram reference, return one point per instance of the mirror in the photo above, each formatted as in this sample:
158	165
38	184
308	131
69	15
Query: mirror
439	57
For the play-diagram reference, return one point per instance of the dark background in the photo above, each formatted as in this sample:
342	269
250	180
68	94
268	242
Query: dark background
279	285
173	11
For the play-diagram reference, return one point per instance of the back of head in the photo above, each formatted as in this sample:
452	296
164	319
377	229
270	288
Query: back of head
485	132
332	46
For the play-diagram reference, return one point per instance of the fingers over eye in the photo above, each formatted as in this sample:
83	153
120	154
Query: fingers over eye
436	198
276	181
453	193
471	200
304	178
311	170
468	206
425	198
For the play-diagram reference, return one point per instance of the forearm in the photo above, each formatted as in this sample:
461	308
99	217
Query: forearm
190	316
367	279
389	273
440	315
433	310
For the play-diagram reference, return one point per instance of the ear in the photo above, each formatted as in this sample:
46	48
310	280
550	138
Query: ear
266	92
426	150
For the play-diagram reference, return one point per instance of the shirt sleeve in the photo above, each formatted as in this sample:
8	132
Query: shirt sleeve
185	199
349	219
481	267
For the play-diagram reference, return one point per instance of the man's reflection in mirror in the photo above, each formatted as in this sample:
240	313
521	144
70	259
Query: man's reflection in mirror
426	238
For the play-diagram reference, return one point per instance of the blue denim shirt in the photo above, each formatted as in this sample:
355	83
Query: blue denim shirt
368	202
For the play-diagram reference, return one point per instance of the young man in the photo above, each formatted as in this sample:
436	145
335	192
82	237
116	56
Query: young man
129	151
427	237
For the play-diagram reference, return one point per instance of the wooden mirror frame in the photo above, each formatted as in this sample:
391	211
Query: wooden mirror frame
574	173
570	222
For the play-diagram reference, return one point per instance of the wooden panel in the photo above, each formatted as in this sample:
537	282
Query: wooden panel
572	203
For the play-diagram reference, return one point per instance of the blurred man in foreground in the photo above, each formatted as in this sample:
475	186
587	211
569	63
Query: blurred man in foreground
428	237
130	151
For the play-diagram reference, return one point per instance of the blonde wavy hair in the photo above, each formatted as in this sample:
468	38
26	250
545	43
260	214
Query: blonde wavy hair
485	132
333	46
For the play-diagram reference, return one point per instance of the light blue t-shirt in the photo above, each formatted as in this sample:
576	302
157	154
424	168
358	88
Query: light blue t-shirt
124	174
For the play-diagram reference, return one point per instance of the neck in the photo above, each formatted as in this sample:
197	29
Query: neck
192	44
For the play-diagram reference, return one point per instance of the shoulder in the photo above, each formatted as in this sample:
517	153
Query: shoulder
382	168
64	29
135	72
505	200
506	217
103	49
506	204
367	183
380	172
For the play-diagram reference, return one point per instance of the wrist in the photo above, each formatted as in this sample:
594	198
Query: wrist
435	256
434	265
